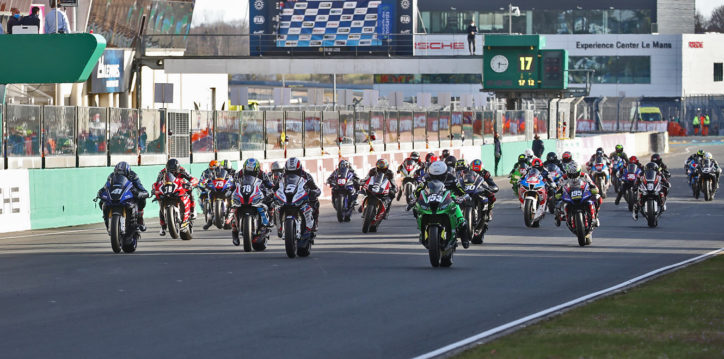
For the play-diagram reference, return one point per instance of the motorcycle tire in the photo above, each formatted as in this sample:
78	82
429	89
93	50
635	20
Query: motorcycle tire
651	217
695	188
131	247
305	251
433	245
339	206
187	235
580	228
290	237
528	213
589	239
171	221
116	235
369	217
708	195
599	184
447	260
247	233
219	213
630	200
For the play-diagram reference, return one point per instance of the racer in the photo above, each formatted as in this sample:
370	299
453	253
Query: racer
139	192
293	166
174	167
382	166
252	167
574	172
345	165
477	167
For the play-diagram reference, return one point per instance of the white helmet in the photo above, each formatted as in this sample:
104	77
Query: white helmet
529	153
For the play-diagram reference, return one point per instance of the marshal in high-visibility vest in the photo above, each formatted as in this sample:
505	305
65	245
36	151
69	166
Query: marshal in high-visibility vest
706	120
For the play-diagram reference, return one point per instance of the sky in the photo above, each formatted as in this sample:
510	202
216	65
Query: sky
705	7
206	11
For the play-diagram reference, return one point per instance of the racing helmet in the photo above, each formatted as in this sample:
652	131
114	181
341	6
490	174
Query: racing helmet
226	164
173	166
476	165
551	157
522	159
700	153
529	153
651	166
382	164
537	162
634	160
461	164
450	161
276	167
619	148
251	167
122	168
656	158
708	156
433	159
438	171
567	157
214	164
415	156
445	153
343	164
573	170
293	166
599	151
429	156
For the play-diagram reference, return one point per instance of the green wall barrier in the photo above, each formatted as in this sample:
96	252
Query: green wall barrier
71	203
510	152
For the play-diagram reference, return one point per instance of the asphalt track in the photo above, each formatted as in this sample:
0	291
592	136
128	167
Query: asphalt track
63	293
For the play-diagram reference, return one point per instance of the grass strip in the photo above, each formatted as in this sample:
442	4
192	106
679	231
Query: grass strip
679	315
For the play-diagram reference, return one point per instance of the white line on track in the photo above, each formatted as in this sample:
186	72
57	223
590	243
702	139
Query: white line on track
567	305
50	233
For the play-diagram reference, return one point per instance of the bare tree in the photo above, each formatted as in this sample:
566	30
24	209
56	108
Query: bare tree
699	23
716	21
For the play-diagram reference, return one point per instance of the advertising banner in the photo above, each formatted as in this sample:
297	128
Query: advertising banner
14	201
108	74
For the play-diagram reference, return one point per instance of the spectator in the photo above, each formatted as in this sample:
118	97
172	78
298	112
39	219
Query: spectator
538	147
498	151
33	19
472	31
14	19
56	21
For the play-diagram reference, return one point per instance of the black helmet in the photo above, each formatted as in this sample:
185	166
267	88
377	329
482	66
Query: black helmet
450	161
343	164
429	156
277	167
172	166
656	158
651	166
599	151
551	157
122	168
415	156
522	159
445	153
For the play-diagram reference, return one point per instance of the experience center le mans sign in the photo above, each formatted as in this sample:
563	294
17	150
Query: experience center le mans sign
624	45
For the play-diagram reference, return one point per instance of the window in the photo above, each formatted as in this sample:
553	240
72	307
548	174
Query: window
611	69
718	72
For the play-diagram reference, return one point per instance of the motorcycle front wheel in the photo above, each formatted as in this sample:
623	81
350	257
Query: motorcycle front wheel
651	213
247	232
339	206
580	228
169	216
290	237
370	211
116	235
528	213
433	245
707	190
219	213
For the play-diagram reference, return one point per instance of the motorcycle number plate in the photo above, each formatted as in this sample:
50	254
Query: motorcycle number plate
117	191
631	176
470	187
341	182
435	198
291	188
577	194
219	183
168	188
650	186
375	188
599	167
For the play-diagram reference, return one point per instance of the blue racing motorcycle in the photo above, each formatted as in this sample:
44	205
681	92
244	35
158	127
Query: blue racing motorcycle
578	210
120	213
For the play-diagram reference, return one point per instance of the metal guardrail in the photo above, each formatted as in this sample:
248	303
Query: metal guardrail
53	132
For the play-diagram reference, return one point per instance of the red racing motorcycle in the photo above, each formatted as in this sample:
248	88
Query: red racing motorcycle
174	197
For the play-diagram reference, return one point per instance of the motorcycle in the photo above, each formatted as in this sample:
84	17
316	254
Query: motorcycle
516	176
651	197
477	210
174	197
434	207
601	175
248	203
120	213
409	183
705	180
342	192
533	196
617	164
628	180
375	204
292	199
216	203
555	175
578	210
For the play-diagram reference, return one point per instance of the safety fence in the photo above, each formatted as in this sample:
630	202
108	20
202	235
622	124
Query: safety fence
56	137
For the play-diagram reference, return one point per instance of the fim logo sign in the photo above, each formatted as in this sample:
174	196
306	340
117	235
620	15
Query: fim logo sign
10	201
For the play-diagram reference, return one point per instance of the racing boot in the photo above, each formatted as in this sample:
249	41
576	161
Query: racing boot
235	237
635	213
163	231
618	197
141	223
207	225
464	235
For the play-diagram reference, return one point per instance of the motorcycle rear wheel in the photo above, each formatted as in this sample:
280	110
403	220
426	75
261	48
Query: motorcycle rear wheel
116	236
433	245
290	238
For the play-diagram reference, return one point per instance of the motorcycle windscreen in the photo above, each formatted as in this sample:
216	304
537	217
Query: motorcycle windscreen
119	187
342	173
650	176
221	173
169	177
